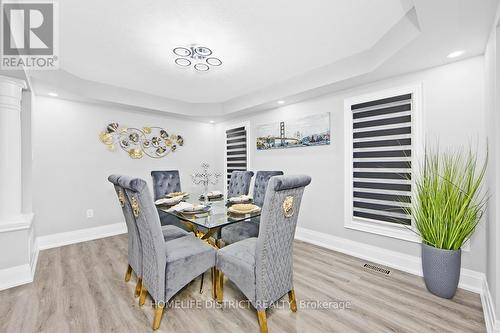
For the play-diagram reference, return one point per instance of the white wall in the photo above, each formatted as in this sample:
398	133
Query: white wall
71	165
453	105
492	70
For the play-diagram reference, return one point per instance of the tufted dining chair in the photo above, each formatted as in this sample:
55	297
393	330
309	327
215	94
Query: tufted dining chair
239	183
165	182
262	267
246	229
134	242
167	265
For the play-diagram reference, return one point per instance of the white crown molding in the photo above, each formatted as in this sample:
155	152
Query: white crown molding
74	88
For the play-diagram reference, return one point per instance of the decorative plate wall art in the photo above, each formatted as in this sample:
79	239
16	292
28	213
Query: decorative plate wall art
154	142
308	131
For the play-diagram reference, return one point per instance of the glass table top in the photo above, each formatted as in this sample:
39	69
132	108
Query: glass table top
217	216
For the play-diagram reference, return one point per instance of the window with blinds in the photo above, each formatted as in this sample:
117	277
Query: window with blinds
381	159
236	150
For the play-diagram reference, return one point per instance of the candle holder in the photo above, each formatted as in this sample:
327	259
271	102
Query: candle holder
205	178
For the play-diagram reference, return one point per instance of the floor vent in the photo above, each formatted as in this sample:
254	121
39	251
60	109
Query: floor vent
377	269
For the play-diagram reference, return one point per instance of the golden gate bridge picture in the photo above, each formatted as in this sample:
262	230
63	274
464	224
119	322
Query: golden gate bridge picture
308	131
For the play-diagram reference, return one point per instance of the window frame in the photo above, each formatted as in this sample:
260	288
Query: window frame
388	229
245	124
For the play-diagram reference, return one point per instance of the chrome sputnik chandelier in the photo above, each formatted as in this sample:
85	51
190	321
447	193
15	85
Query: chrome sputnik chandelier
199	57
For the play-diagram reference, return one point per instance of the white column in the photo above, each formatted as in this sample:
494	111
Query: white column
10	150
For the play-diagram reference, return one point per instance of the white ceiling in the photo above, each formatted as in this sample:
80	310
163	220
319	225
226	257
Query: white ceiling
121	51
128	43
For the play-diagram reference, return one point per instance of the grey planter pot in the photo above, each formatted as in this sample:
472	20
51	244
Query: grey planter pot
441	270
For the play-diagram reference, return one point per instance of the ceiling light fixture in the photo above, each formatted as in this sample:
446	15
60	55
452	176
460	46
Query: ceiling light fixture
214	61
182	62
281	102
201	67
211	121
53	94
455	54
198	56
182	51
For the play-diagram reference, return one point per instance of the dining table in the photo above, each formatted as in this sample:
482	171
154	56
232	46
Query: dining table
207	225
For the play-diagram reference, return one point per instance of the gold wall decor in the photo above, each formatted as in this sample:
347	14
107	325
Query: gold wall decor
154	142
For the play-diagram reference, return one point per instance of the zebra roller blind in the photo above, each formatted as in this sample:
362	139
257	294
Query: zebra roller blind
236	150
382	150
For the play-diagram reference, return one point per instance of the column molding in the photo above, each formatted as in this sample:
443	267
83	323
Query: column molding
11	215
24	221
17	82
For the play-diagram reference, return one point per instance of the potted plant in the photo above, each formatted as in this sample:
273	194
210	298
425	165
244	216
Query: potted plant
447	206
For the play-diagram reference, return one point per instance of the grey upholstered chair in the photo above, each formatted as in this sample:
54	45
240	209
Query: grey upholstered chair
260	185
165	182
242	230
262	267
134	242
239	183
167	265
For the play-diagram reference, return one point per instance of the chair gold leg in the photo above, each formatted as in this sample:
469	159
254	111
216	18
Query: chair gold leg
142	297
292	300
128	274
220	287
201	283
214	282
219	243
138	287
261	314
158	314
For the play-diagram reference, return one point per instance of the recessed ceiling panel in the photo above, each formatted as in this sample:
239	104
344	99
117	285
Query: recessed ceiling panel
130	43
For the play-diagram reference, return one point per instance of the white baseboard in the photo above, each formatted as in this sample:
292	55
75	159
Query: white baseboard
18	275
34	259
22	274
469	279
80	235
492	323
15	276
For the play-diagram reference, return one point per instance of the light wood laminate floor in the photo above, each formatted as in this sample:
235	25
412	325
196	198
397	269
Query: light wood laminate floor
80	288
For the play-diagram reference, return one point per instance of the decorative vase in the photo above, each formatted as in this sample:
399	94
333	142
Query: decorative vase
441	270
